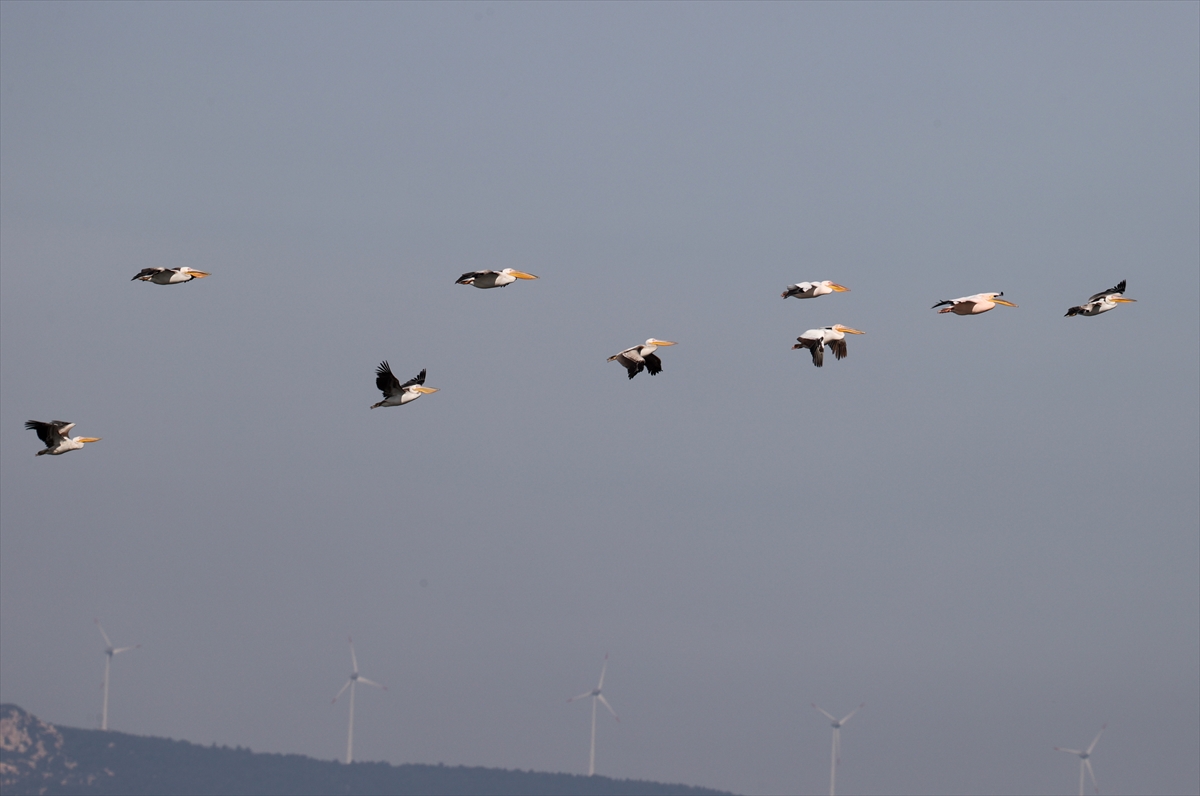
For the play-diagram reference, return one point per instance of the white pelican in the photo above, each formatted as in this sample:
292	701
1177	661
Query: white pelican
1102	302
169	276
395	393
641	357
813	289
54	435
973	305
486	279
834	336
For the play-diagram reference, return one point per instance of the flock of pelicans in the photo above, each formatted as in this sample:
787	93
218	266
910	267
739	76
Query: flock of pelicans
634	359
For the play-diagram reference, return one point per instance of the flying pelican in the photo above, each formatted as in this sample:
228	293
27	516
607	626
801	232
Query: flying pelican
486	279
641	357
813	289
395	393
834	336
54	435
973	305
1102	302
169	276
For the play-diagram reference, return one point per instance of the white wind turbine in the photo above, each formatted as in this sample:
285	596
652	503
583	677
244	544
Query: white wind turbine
109	652
350	683
836	755
1084	762
596	697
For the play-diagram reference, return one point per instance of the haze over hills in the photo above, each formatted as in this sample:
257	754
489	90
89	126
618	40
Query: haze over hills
40	758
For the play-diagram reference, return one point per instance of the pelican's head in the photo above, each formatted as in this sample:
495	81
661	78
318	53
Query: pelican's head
656	341
846	329
193	273
87	439
518	274
836	288
1121	300
995	299
423	389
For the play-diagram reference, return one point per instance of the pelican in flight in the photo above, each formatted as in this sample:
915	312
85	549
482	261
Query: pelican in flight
973	305
813	289
54	435
641	357
395	393
486	279
834	336
1102	302
169	276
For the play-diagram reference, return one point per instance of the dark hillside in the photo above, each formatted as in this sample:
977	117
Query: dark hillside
36	757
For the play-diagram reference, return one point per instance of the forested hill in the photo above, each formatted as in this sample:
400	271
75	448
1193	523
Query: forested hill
37	757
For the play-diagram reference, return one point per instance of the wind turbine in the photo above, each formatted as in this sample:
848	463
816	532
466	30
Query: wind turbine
596	697
109	652
1084	762
354	679
836	755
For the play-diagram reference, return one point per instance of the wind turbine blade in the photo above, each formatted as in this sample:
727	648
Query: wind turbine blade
1097	738
823	713
851	713
605	703
837	745
339	693
581	696
353	660
371	682
1072	751
119	650
1091	773
107	643
602	670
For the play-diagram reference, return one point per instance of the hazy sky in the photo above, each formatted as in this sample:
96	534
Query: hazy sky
988	529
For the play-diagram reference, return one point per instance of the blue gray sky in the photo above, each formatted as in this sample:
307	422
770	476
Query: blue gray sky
985	528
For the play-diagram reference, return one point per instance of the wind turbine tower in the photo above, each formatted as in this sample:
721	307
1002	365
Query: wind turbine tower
836	755
596	696
355	678
109	652
1084	762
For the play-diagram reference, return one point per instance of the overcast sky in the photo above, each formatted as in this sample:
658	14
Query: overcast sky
985	528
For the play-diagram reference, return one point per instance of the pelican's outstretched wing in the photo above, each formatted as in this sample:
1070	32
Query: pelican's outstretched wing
1120	288
387	383
418	379
631	359
51	433
816	347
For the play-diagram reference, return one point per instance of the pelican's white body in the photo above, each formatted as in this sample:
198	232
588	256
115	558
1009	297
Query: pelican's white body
974	305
